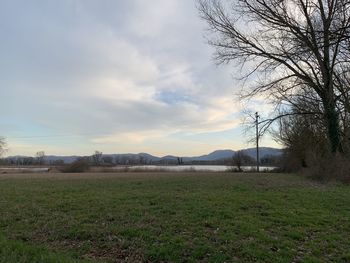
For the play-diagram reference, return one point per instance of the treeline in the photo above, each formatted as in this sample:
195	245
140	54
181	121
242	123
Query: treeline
98	159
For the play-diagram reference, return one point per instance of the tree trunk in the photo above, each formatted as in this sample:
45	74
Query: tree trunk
333	127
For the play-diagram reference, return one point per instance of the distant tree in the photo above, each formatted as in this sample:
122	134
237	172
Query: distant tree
2	146
107	160
78	166
240	158
142	159
28	161
40	157
271	160
97	158
117	159
58	162
123	160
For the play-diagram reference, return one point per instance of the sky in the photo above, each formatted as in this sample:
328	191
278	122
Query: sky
118	76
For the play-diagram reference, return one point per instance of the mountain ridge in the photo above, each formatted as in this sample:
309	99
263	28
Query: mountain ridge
213	156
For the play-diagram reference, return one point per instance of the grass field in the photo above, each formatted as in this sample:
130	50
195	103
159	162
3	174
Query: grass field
172	217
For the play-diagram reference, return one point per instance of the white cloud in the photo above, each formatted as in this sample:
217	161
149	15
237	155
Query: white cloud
127	71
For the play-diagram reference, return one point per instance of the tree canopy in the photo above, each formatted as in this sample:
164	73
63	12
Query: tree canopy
297	51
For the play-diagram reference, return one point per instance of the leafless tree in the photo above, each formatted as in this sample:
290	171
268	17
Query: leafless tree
240	158
294	49
97	157
2	146
237	160
40	157
179	160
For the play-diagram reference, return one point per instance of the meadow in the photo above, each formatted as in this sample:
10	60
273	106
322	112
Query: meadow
172	217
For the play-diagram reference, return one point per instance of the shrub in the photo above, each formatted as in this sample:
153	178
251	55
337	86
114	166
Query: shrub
78	166
328	167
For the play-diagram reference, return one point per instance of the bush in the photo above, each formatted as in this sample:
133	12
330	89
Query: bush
78	166
328	167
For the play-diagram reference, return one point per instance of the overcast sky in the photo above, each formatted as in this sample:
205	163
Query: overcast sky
116	76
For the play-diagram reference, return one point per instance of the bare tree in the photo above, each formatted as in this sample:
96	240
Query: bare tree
97	157
237	160
2	146
295	49
40	157
240	158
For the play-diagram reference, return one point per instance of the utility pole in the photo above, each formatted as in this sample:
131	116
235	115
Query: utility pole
257	140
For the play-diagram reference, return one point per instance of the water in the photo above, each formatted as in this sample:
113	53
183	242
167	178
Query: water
180	168
30	169
170	168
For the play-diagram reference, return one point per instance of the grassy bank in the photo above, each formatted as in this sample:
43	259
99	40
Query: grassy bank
172	217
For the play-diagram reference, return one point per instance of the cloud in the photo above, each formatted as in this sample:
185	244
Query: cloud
124	71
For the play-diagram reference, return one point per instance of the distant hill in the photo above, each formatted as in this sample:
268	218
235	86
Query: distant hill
169	157
226	154
146	156
65	159
214	156
263	152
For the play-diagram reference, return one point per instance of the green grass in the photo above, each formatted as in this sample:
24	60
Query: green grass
20	252
172	217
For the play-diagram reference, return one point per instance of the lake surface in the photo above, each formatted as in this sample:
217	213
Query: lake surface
179	168
173	168
30	169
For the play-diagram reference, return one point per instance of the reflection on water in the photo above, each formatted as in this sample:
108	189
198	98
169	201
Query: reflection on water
179	168
174	168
